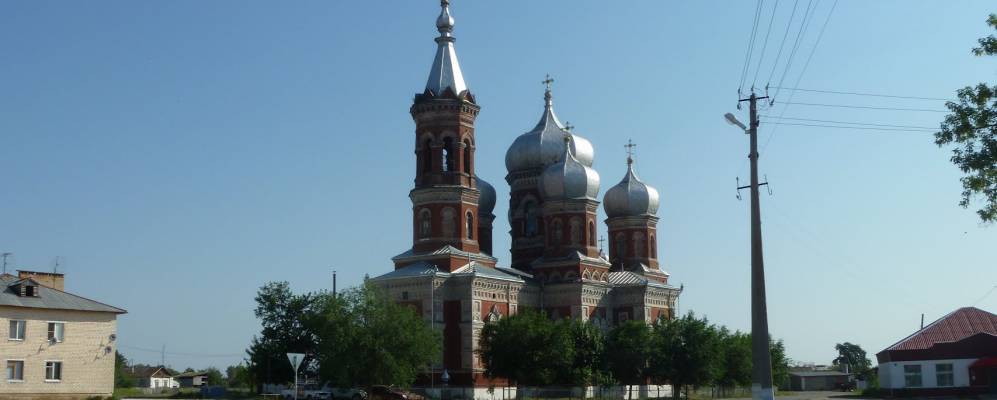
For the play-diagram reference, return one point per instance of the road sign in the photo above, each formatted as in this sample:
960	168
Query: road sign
295	359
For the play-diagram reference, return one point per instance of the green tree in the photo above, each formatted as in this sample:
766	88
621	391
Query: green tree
686	352
282	315
734	368
530	349
121	378
364	338
780	363
237	376
587	364
972	127
852	358
628	352
215	377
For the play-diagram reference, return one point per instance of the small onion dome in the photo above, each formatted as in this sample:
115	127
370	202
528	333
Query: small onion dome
631	197
569	179
544	144
486	203
444	23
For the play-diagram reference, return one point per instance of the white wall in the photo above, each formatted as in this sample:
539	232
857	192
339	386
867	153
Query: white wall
891	374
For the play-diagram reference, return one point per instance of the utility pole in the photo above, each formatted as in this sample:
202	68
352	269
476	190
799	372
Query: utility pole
333	283
761	360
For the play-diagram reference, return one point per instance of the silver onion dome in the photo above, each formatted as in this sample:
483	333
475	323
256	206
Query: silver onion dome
544	144
486	203
631	197
444	23
569	179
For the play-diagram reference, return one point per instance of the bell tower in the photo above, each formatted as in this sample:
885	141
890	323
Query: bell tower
445	200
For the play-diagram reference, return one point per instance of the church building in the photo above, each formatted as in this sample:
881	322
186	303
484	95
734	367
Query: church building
451	274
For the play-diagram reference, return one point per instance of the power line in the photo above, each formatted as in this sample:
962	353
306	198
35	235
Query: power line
196	355
804	70
796	43
851	123
765	44
783	42
862	107
871	128
751	46
985	296
863	94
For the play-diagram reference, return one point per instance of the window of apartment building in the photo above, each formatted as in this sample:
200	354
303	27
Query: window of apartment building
15	370
912	375
53	370
56	331
944	375
16	330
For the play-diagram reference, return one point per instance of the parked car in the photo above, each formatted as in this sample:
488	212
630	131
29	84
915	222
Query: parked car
348	393
381	392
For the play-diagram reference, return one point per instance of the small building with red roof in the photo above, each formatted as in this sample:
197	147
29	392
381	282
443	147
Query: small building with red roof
957	354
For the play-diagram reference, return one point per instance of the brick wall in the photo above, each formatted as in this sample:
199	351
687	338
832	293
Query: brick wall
87	365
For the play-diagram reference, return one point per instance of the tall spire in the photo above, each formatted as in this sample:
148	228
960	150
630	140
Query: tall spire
445	72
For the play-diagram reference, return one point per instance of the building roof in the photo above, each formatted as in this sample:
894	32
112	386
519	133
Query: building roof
818	373
423	268
146	371
192	374
629	278
955	326
48	298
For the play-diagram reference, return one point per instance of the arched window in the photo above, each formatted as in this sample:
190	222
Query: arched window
448	222
470	225
638	244
557	232
591	233
576	231
427	156
530	224
448	155
654	247
467	156
425	223
621	246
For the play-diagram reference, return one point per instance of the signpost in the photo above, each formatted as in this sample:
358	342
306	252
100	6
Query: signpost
295	359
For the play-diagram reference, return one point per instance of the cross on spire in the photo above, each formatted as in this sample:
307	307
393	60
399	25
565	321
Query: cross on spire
568	127
602	241
547	81
630	151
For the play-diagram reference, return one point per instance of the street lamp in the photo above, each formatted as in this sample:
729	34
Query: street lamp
731	119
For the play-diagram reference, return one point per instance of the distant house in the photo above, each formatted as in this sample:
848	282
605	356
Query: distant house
152	377
817	380
955	355
58	344
192	379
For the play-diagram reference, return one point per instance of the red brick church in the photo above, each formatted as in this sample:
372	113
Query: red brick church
451	275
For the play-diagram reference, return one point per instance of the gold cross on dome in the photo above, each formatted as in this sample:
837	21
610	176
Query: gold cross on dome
547	81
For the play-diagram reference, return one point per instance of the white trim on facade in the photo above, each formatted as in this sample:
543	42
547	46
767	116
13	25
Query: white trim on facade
891	374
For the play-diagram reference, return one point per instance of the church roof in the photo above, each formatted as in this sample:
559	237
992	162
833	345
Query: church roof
447	250
628	278
478	269
445	72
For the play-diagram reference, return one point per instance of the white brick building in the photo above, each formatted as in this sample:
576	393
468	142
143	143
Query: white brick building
56	344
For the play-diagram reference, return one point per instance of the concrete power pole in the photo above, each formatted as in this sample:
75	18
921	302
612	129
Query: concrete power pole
761	360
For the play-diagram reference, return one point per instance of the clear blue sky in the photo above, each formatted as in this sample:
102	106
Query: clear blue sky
180	154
